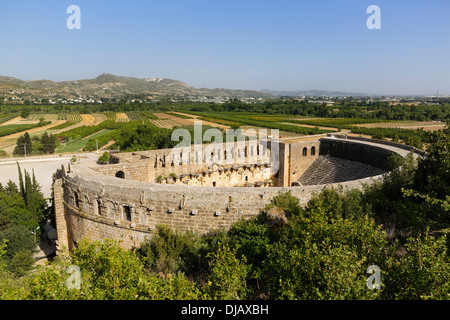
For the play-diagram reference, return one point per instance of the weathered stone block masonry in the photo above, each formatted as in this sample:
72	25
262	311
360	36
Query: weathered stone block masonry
126	199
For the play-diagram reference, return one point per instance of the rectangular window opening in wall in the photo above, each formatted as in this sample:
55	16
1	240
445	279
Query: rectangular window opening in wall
109	209
98	208
127	213
76	201
86	204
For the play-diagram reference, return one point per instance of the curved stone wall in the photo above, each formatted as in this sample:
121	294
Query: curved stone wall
96	205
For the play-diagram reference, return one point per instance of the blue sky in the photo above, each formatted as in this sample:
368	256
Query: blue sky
245	44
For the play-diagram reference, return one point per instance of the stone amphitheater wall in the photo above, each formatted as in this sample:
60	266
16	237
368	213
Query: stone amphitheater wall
93	203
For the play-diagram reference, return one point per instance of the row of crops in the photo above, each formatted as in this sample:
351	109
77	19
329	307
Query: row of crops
6	130
340	123
71	118
88	138
4	117
235	119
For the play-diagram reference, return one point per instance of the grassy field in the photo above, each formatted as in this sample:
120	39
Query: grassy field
13	128
78	144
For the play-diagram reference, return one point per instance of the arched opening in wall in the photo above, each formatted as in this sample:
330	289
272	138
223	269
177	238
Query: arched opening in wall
120	174
305	152
76	199
313	151
214	183
127	213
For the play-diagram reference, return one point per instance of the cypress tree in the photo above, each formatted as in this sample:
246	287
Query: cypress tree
21	185
29	196
28	144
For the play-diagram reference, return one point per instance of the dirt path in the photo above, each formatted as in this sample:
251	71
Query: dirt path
7	141
88	120
426	125
107	145
309	126
11	121
186	114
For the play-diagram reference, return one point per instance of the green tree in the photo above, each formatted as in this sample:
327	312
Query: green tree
107	272
3	250
113	273
423	271
169	252
104	157
19	238
323	256
24	145
21	262
226	279
24	113
48	143
21	183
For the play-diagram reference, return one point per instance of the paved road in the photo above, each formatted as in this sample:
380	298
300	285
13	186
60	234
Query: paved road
43	166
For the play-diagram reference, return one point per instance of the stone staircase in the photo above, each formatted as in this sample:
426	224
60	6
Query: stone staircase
326	169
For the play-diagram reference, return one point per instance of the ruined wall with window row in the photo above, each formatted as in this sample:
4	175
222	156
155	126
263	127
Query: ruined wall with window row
235	164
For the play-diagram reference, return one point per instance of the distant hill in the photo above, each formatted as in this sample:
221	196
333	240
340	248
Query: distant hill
109	86
317	93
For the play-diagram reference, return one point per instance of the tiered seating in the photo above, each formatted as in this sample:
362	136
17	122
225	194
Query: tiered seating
326	169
